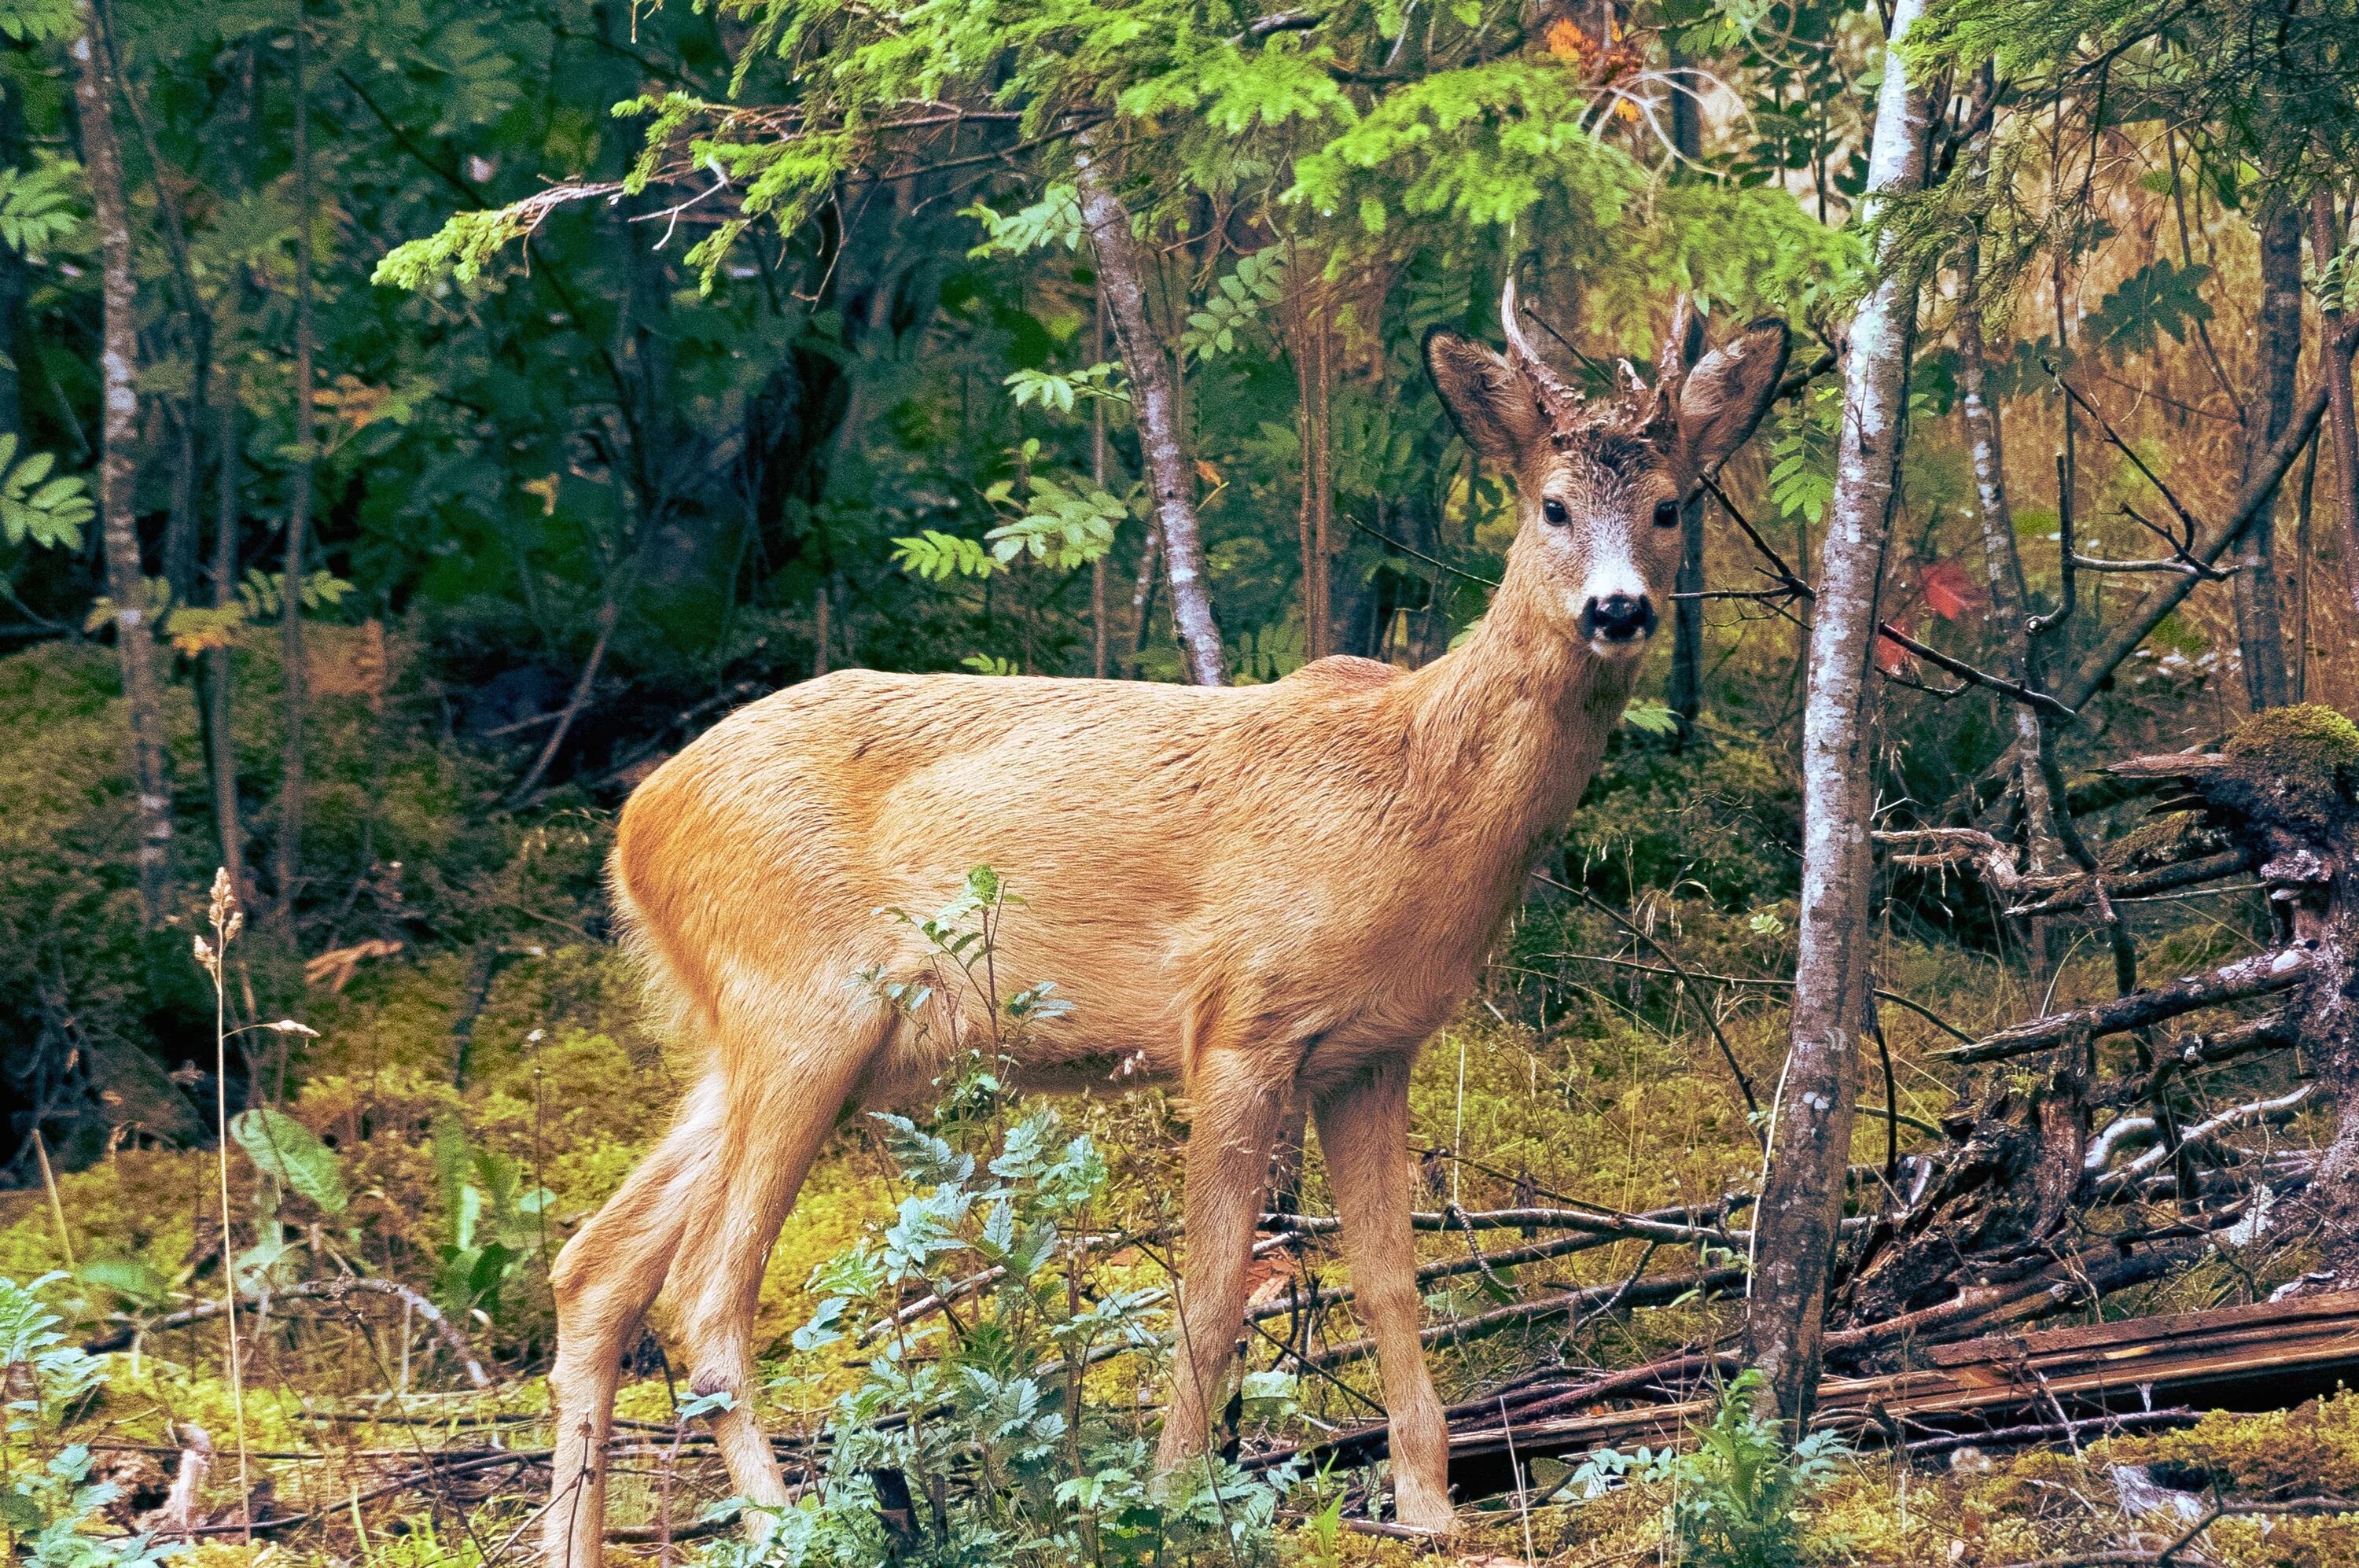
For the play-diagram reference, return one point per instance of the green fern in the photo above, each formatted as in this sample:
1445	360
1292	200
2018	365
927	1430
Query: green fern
47	508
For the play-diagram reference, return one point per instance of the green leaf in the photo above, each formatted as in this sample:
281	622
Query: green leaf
285	1149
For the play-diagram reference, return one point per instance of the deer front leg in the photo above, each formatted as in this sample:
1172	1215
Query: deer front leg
604	1282
1235	1116
1364	1134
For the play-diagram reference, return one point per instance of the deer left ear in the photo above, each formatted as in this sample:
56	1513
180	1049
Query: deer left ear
1725	395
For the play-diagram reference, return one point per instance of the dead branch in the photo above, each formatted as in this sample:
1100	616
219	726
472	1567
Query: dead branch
2301	1506
2282	1107
1971	676
1641	1294
336	1292
2279	970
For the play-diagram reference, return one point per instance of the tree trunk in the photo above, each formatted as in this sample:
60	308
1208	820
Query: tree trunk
2339	412
1310	345
1155	404
220	739
1686	692
118	463
287	854
1101	568
1801	1201
2260	617
2010	607
1686	609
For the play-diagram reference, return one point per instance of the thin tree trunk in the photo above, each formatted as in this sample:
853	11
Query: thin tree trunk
220	740
180	533
287	854
2124	638
2260	616
2010	608
1101	568
1155	405
1314	520
2339	412
1686	692
119	463
1801	1201
1686	608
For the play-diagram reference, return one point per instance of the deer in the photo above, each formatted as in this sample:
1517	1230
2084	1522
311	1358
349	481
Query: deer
1272	895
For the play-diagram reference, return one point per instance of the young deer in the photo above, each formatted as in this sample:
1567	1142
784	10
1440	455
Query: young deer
1272	894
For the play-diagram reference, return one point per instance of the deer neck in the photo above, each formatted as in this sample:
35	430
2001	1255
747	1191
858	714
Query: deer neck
1505	730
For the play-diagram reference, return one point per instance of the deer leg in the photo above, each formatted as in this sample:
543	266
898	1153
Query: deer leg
1235	1115
773	1128
604	1282
1364	1134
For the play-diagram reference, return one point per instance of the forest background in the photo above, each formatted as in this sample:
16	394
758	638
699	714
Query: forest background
418	421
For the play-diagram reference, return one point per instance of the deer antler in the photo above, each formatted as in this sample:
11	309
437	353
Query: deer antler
1561	402
1670	366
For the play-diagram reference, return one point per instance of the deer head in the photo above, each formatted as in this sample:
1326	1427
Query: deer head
1599	483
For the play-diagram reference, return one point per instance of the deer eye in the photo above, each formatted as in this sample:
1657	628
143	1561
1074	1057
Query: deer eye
1667	514
1553	510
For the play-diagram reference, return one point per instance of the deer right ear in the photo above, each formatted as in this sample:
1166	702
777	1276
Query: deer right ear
1495	406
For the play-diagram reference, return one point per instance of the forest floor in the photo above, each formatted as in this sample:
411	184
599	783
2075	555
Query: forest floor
565	1091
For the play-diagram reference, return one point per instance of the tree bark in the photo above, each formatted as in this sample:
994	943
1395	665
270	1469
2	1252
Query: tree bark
118	464
287	854
1155	404
2260	616
1101	568
1686	609
1686	692
1801	1201
2339	412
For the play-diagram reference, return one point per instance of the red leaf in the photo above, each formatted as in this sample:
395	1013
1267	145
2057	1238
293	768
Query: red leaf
1948	592
1890	657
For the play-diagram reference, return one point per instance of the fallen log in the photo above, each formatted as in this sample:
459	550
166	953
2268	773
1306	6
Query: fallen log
2279	970
2270	1355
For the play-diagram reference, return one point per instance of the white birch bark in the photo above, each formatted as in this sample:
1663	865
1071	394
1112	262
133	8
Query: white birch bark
1155	403
1801	1203
118	464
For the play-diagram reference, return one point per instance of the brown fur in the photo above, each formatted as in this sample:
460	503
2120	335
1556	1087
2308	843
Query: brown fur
1274	893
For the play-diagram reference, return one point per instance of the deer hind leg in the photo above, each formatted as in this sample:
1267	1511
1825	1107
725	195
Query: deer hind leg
1235	1111
1364	1134
604	1282
782	1105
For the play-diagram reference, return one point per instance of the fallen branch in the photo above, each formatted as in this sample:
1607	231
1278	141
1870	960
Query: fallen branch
2051	1431
1605	1224
2279	970
1634	1293
2300	1506
335	1292
2284	1105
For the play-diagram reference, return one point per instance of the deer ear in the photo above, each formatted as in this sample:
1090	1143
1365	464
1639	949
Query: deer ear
1724	396
1495	406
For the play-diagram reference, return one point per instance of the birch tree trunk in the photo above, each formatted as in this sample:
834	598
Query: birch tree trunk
2260	616
1801	1201
2340	415
287	854
1155	403
118	463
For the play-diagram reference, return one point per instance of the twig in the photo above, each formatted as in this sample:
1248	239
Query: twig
1772	983
333	1292
1703	1004
1651	1292
1968	674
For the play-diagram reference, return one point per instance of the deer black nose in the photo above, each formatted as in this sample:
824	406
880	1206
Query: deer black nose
1618	617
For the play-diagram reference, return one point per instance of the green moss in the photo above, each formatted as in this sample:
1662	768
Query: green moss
2305	739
